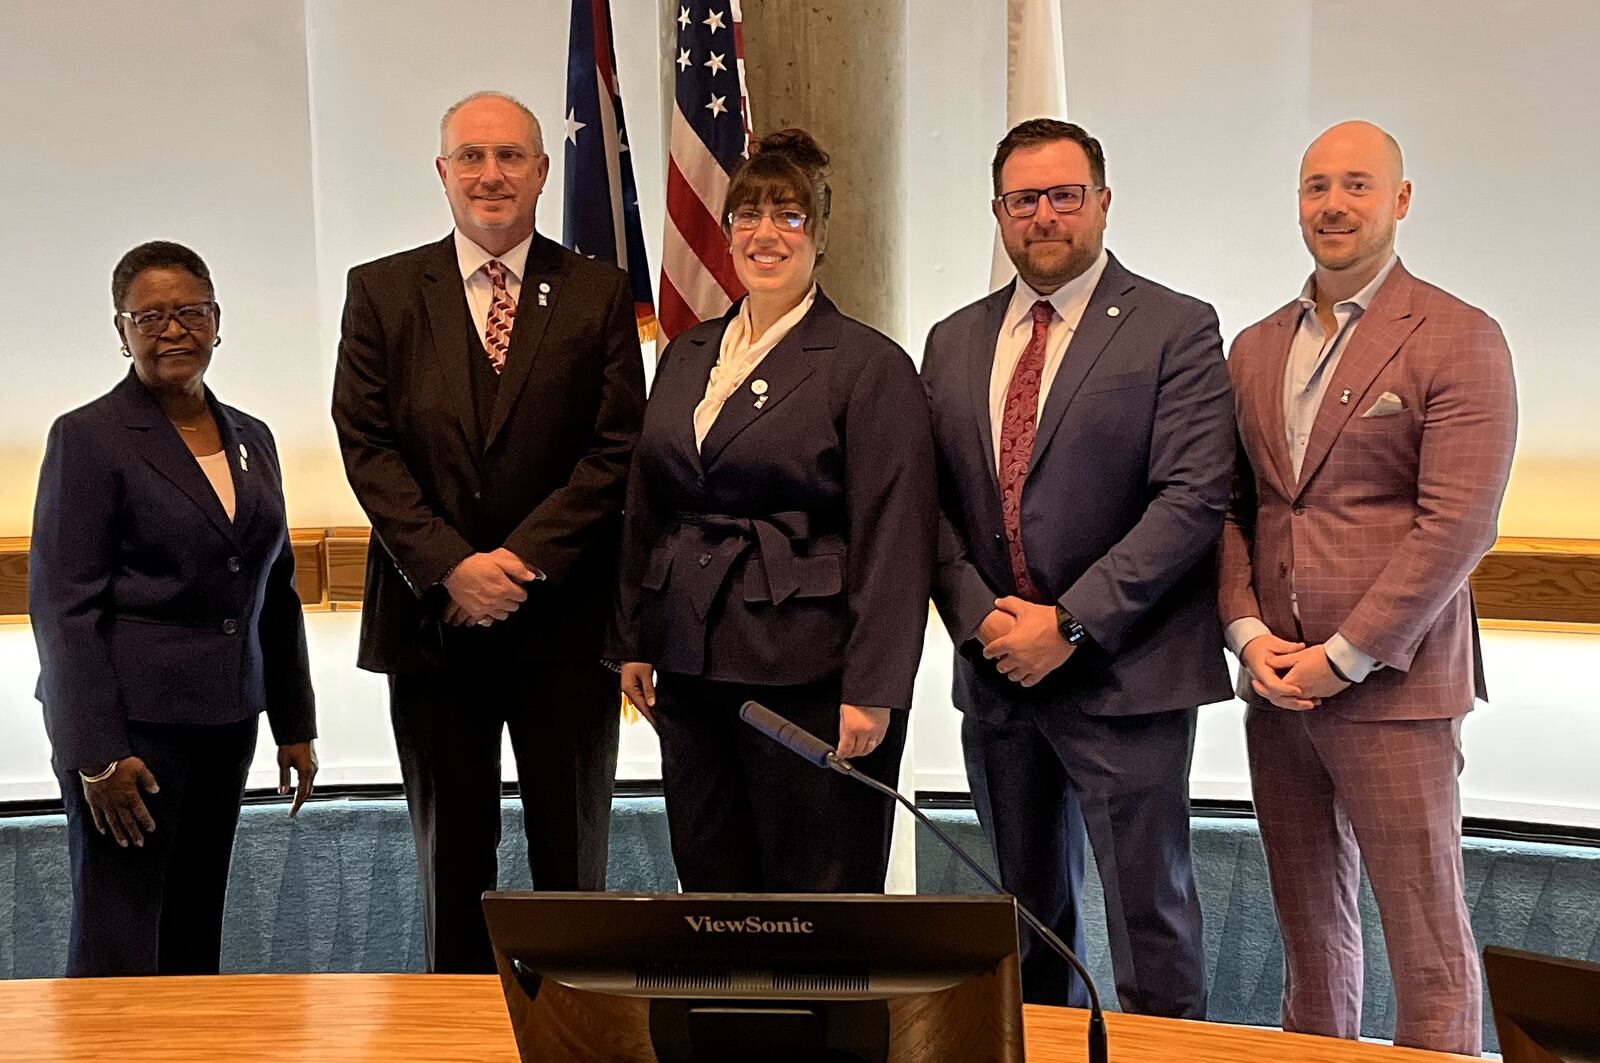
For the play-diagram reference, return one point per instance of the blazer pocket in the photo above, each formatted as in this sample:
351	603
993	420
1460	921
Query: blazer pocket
655	574
1114	382
820	576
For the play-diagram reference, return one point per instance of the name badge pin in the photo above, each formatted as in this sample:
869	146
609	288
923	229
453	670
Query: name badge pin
1344	399
244	459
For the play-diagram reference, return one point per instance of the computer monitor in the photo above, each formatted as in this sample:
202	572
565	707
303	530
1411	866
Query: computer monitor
779	978
1546	1009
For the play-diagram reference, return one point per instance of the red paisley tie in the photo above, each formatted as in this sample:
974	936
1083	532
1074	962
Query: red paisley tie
1017	425
502	315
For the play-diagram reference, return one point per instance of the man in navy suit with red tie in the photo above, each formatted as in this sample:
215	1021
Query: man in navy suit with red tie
1084	428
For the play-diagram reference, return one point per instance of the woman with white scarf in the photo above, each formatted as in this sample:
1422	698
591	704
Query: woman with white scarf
779	544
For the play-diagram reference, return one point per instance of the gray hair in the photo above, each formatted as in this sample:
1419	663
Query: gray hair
533	119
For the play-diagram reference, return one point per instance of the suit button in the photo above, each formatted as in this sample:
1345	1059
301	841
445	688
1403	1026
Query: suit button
1299	510
235	564
477	496
229	627
705	559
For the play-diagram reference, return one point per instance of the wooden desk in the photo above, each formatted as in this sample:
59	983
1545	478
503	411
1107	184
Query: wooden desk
353	1018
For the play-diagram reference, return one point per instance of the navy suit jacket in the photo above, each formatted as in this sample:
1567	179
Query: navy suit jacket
147	603
1121	509
797	543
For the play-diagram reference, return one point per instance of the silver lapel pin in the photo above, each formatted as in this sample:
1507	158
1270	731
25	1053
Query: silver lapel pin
244	459
544	292
758	387
1344	400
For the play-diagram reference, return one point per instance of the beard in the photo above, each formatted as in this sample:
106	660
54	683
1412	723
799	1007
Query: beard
1046	266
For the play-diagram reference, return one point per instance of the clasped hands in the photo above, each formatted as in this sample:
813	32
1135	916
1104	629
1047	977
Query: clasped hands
1291	675
486	587
1023	640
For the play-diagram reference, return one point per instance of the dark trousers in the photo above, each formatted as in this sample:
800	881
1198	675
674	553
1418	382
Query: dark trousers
564	720
1050	778
746	815
157	909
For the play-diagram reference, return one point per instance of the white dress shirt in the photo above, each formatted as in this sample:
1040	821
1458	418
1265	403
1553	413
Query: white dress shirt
1313	357
1016	328
480	291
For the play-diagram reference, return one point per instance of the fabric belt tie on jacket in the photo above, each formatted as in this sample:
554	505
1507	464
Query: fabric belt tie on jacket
774	535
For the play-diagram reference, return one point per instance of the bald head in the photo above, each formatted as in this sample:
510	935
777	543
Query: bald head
1353	193
1359	140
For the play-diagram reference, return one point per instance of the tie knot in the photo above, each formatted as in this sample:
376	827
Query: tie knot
496	271
1043	312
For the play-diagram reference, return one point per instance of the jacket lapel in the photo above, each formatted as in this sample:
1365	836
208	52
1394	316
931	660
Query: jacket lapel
980	368
446	300
1088	342
158	443
1377	339
541	290
699	354
1267	393
783	370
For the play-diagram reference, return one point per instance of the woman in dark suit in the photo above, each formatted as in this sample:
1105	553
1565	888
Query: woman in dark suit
780	533
161	590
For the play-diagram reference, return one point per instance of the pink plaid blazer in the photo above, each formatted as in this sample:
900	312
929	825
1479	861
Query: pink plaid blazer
1392	509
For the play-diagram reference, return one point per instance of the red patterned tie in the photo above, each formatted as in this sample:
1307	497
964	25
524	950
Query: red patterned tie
1017	426
502	314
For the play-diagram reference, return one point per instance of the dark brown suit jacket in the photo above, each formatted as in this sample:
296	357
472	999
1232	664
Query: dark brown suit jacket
543	478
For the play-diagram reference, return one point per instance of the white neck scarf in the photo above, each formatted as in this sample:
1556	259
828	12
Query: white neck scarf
739	357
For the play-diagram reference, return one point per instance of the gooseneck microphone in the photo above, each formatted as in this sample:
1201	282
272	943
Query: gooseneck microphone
798	740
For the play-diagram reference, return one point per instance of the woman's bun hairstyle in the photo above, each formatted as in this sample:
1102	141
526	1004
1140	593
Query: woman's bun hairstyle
784	167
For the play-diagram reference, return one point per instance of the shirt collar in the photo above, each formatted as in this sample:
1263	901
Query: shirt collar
1361	299
470	257
1068	300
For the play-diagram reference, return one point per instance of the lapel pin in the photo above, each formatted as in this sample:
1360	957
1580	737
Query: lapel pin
762	401
758	386
544	286
1112	311
244	459
1344	399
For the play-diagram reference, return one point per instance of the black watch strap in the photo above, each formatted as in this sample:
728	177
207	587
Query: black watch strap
1069	627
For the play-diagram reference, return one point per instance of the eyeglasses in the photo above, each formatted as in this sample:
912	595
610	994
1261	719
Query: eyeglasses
1064	199
747	221
153	323
510	159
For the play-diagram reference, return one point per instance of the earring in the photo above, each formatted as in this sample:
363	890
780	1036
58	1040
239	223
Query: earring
125	352
216	342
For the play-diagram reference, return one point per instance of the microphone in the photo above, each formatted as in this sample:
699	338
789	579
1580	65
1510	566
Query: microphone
798	740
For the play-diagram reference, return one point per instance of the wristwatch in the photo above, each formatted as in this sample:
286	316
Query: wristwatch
1069	627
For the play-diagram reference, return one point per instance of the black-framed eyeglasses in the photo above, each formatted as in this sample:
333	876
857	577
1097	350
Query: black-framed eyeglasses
513	160
1064	199
191	318
749	219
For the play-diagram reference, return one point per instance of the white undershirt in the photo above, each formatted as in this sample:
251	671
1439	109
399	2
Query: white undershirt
215	466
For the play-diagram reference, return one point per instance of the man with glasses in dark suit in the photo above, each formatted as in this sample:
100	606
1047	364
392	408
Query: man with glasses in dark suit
488	396
1085	441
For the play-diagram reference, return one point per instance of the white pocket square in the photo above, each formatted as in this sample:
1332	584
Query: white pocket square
1387	405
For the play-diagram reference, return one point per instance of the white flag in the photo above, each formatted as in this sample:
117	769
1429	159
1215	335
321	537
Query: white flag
1036	84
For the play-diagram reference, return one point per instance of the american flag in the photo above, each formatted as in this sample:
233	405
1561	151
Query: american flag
710	136
602	203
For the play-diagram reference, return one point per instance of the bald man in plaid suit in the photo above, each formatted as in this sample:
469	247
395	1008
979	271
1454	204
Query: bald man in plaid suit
1377	417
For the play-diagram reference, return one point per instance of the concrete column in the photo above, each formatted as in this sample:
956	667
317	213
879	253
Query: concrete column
837	69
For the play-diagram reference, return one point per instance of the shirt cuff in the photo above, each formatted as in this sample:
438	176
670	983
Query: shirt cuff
1355	664
1239	633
